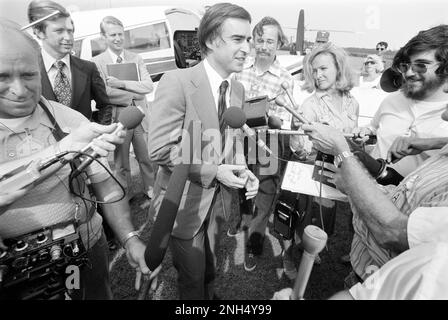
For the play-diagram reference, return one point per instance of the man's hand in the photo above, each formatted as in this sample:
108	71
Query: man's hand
334	175
115	83
228	175
284	294
401	147
135	252
99	137
8	197
252	183
326	139
362	133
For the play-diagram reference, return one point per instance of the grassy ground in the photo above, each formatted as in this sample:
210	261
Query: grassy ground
233	282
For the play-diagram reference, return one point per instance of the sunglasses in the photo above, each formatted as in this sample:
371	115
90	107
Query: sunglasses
369	62
380	49
417	67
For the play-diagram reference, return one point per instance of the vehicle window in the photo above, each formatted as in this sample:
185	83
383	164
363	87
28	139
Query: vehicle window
77	47
98	45
147	38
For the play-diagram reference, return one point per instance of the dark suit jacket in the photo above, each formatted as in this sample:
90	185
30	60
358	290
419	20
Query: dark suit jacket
87	85
185	96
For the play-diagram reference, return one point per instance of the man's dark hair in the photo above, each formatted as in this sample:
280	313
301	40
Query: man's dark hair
383	44
211	23
436	39
269	21
38	9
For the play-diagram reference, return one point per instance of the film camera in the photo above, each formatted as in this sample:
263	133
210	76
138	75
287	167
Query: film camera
34	265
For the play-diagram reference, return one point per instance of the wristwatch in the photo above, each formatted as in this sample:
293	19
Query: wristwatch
340	157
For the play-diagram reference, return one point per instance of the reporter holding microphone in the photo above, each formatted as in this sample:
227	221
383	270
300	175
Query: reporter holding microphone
34	128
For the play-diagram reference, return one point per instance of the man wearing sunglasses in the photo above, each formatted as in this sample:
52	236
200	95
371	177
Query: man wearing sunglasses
408	121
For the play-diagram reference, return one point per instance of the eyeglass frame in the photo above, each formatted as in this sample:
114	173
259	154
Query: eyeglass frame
369	62
413	65
380	49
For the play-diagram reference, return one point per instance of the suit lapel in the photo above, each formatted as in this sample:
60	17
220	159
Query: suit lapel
78	79
202	98
47	89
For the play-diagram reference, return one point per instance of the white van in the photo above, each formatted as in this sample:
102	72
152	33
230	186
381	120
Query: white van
165	37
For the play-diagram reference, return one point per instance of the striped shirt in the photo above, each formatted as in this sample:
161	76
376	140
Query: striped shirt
425	187
268	83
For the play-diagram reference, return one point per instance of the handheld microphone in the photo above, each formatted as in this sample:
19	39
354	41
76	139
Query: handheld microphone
235	118
282	103
280	131
129	118
314	240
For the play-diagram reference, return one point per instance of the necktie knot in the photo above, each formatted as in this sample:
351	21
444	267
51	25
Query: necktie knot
59	65
119	59
223	87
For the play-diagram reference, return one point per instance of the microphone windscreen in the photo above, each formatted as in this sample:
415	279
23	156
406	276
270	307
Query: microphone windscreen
280	101
285	85
274	122
130	117
372	165
234	117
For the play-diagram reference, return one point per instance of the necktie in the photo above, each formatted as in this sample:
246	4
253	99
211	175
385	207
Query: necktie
119	59
222	107
62	88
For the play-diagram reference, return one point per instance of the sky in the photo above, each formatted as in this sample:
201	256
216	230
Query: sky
369	21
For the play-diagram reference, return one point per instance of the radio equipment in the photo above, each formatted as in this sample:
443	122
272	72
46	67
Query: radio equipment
34	265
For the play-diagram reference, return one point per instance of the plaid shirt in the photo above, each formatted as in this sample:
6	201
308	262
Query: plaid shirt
268	84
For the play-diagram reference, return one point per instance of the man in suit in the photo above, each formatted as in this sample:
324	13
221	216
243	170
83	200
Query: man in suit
65	78
201	94
123	93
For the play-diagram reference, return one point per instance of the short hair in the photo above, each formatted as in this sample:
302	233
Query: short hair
269	21
382	43
344	78
211	23
38	9
109	20
379	64
435	38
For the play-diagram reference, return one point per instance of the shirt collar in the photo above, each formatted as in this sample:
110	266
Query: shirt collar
49	60
274	68
214	78
114	56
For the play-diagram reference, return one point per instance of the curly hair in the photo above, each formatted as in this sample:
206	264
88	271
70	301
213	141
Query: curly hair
435	38
344	78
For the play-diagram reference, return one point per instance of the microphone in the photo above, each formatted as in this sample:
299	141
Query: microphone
129	118
314	240
282	103
280	131
235	118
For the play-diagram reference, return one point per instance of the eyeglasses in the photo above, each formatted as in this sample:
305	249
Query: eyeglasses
369	62
418	67
380	49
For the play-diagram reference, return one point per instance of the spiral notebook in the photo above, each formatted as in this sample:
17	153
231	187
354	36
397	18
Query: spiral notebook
124	71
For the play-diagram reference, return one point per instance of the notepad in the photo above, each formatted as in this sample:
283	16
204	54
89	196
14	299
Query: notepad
124	71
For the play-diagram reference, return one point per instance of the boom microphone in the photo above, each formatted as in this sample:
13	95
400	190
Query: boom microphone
314	240
282	103
280	131
129	118
235	118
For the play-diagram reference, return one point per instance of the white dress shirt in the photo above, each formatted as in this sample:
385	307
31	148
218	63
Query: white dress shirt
52	71
114	56
215	81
